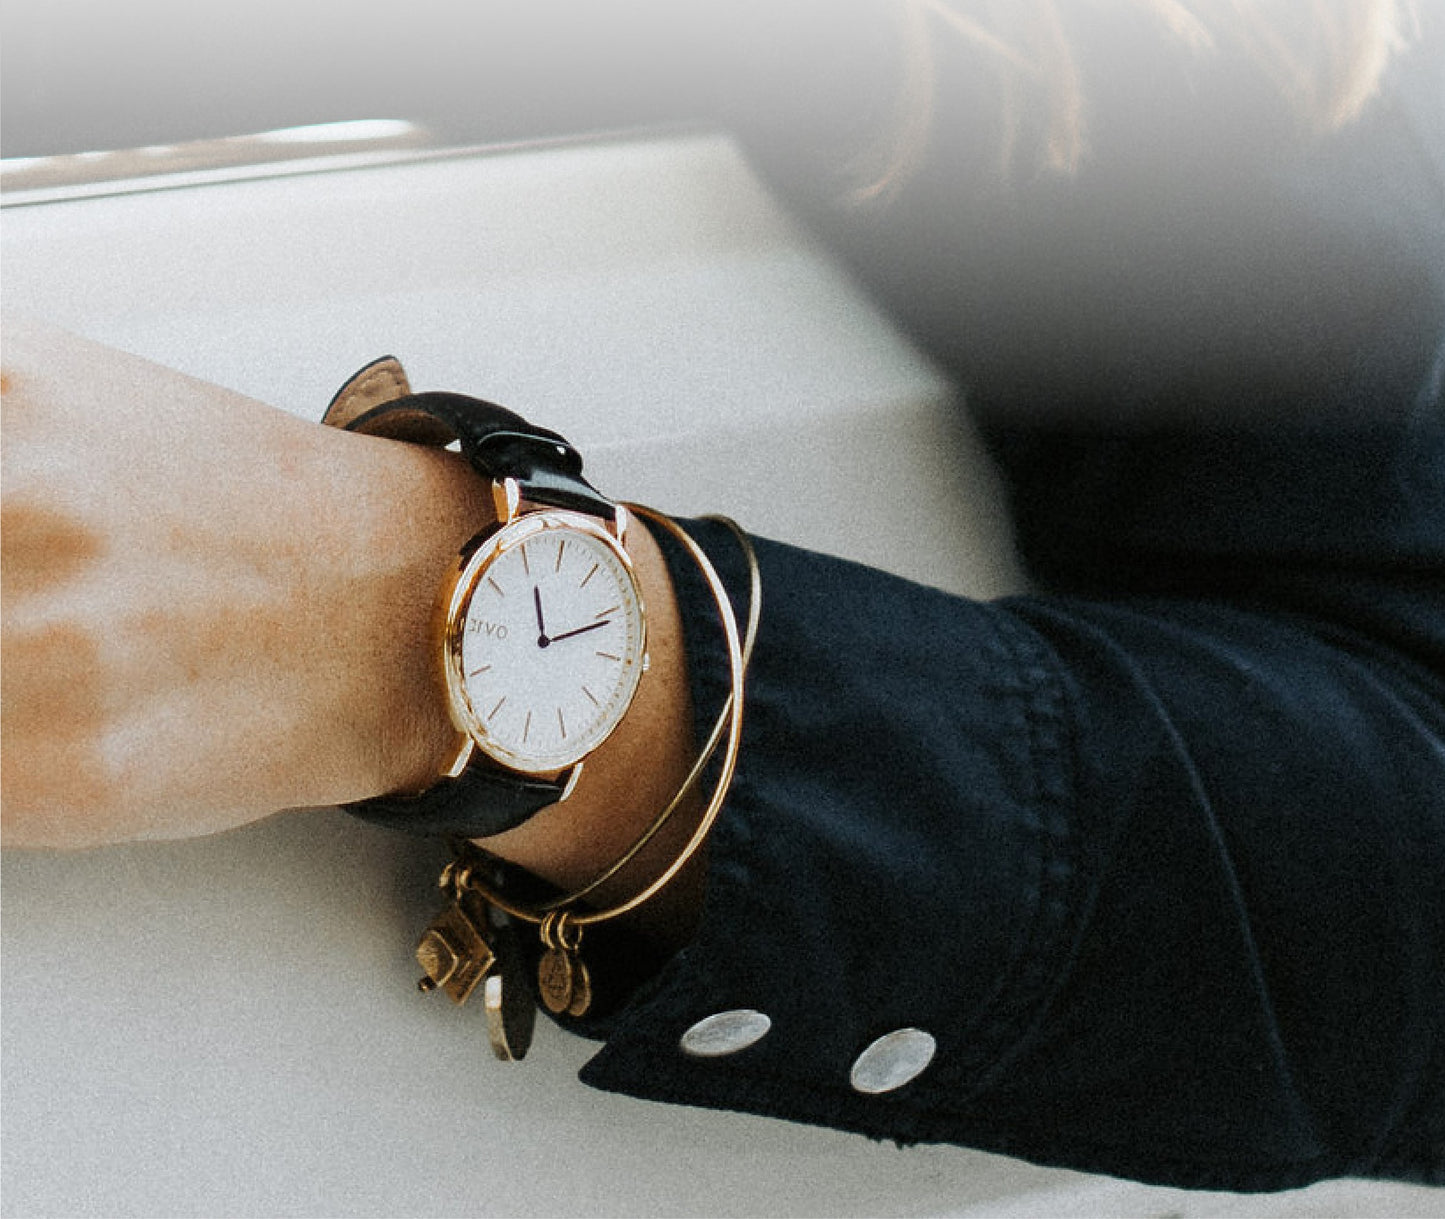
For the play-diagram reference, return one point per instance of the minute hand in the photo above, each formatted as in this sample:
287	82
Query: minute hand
581	630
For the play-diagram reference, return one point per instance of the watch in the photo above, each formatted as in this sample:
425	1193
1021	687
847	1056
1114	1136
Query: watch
542	633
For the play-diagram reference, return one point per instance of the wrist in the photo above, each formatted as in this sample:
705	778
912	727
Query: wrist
399	516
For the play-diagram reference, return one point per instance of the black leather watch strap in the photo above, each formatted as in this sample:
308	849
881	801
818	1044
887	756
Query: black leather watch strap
499	443
478	803
483	800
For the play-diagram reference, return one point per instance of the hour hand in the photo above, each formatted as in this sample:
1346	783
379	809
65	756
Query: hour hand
542	640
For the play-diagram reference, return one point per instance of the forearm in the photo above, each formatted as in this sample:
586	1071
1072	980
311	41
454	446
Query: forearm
180	597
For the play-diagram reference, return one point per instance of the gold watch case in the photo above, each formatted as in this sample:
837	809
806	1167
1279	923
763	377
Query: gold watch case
543	638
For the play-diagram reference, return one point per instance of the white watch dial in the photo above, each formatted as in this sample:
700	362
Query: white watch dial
546	642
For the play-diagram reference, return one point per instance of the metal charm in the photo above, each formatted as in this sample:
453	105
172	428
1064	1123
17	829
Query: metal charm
471	944
562	977
454	953
581	989
506	995
555	979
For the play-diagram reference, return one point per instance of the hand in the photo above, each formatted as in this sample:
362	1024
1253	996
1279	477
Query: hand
212	609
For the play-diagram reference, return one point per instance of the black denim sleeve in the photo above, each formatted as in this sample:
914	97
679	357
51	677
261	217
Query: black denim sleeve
1146	875
1160	881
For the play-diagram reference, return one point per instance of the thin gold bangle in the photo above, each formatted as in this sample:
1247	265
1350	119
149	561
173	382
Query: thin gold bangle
720	725
559	911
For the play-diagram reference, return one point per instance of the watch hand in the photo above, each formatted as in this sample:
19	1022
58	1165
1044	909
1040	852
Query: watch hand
542	640
581	630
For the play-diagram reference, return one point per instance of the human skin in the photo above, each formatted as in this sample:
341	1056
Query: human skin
214	611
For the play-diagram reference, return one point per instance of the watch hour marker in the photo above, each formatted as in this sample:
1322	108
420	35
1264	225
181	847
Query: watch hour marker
607	613
591	697
479	671
591	572
608	656
561	548
527	727
561	723
492	714
526	566
497	588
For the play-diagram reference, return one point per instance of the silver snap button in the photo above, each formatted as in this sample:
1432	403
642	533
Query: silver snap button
893	1060
725	1033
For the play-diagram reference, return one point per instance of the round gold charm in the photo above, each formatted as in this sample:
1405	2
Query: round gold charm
581	988
556	980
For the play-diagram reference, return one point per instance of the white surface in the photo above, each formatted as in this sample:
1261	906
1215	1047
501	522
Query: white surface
230	1027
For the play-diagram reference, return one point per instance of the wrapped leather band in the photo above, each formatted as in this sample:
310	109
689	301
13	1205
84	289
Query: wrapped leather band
499	444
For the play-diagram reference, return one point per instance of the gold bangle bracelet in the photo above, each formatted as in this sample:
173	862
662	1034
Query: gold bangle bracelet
720	725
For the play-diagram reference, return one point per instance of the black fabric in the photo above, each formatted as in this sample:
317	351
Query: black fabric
1157	854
